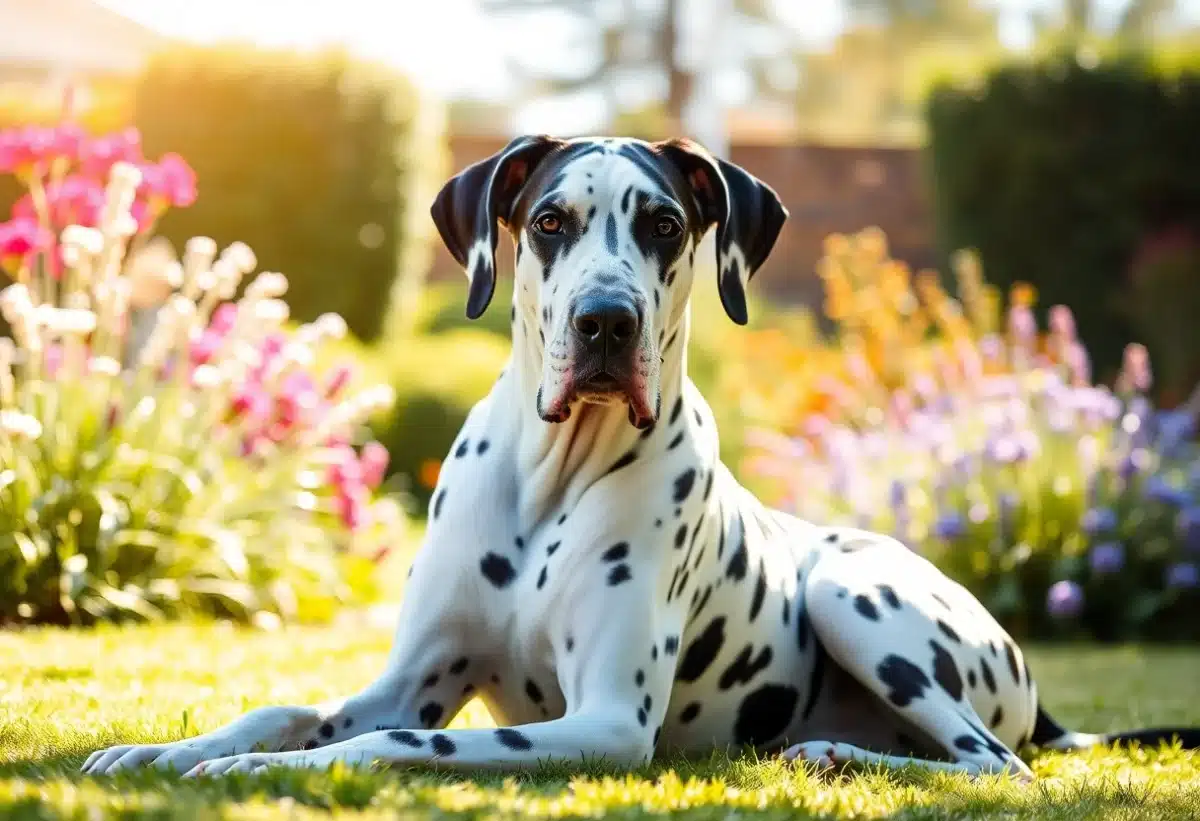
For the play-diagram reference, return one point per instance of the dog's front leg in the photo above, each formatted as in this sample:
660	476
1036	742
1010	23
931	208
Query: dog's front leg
611	736
426	681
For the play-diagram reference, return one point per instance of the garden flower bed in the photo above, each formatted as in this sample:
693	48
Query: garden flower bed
168	446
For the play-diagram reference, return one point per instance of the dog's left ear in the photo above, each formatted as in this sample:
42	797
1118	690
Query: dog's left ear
468	207
748	213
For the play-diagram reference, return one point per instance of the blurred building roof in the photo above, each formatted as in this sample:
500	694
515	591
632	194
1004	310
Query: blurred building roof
54	37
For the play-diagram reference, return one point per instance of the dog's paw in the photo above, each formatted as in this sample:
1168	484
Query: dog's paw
180	756
823	754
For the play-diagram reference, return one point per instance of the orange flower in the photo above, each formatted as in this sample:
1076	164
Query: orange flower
429	472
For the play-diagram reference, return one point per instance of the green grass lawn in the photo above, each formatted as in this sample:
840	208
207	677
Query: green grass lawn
63	694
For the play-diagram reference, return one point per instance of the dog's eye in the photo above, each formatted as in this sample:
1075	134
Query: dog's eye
666	227
549	224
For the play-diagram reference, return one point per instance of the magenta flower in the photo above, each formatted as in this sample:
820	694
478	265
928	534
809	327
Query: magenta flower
20	238
1064	600
98	156
169	182
352	509
204	347
373	463
339	378
250	403
223	318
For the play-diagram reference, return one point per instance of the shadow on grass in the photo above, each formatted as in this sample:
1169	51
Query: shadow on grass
52	787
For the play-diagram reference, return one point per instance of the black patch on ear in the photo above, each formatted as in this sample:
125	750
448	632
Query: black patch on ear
467	208
747	212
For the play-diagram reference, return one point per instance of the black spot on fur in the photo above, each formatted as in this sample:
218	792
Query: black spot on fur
743	668
482	447
497	569
533	691
972	679
702	652
513	739
550	548
562	518
641	714
940	600
625	200
610	234
680	536
406	737
945	671
698	417
708	484
311	744
430	713
675	442
468	689
326	730
1013	667
699	606
348	723
905	680
674	335
625	461
430	680
459	665
519	542
465	445
437	503
654	652
671	645
639	678
442	745
683	485
765	714
591	213
948	631
866	608
889	596
617	552
992	647
832	538
657	733
619	574
967	743
689	713
738	563
676	409
541	582
988	679
570	644
647	702
760	592
801	630
997	717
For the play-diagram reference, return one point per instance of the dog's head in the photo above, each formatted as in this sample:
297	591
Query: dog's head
606	232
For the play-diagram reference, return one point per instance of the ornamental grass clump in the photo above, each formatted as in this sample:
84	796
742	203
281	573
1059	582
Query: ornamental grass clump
1068	507
166	448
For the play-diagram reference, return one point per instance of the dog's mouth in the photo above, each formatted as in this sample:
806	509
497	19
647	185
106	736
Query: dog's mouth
602	385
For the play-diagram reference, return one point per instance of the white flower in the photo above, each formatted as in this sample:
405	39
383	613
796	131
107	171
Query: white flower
69	320
274	311
331	325
125	176
104	365
203	247
19	425
240	255
267	285
82	239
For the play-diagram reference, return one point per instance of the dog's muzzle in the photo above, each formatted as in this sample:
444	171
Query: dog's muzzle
605	336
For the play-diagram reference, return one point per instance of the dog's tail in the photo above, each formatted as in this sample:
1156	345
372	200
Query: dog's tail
1047	733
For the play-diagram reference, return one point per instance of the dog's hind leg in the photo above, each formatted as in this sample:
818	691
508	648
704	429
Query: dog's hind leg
868	608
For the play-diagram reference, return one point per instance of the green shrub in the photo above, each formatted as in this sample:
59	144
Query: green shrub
437	379
1057	171
316	162
1164	301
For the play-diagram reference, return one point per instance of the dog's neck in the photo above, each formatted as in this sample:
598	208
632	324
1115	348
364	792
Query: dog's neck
561	460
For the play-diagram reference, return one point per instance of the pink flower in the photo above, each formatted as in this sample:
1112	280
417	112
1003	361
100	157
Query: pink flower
250	403
204	347
67	142
26	151
223	318
352	509
22	238
54	359
169	182
98	156
338	380
373	463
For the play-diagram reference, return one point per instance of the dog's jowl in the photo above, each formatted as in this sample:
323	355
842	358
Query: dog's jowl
595	574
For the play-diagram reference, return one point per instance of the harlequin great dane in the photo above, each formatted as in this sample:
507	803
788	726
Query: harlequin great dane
596	575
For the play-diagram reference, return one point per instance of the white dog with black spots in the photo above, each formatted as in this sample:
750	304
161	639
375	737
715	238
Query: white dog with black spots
595	574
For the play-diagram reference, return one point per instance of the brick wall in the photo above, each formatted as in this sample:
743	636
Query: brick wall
826	190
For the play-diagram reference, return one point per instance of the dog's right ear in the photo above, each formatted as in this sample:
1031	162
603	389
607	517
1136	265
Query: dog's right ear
468	207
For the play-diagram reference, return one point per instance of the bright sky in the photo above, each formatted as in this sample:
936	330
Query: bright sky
450	46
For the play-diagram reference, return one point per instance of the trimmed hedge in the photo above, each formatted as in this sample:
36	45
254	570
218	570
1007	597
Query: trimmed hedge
1060	173
312	161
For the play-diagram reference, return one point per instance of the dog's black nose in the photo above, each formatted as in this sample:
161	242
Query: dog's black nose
605	324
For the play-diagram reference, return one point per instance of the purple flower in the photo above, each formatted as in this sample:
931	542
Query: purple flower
1107	558
1187	525
1184	575
1099	520
951	526
1064	600
1175	428
1158	489
897	494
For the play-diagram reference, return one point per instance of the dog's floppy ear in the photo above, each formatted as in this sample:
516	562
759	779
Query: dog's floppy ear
748	213
468	207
